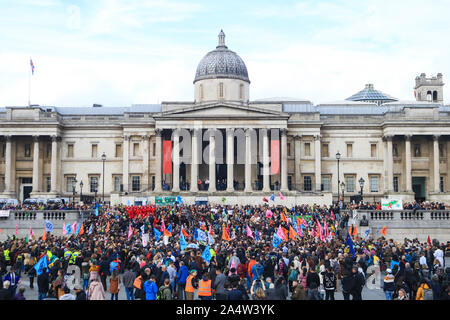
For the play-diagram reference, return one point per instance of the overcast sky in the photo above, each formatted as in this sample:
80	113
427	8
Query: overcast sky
119	53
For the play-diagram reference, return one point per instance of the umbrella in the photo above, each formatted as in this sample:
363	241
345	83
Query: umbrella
192	246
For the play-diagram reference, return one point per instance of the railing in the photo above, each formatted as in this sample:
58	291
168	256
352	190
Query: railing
404	215
48	214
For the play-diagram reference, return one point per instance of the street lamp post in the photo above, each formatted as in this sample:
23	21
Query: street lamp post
81	190
74	184
338	157
361	185
103	183
343	188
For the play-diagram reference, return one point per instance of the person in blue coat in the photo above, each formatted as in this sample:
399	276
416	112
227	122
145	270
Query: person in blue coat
183	273
150	288
14	280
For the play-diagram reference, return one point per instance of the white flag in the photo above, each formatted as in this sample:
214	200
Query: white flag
144	239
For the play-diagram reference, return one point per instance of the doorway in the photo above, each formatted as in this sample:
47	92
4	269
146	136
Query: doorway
419	188
183	182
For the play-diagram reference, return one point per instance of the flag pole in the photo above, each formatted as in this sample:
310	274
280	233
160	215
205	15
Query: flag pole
29	86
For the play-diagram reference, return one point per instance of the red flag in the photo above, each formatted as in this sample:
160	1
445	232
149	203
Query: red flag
225	235
107	228
355	230
383	230
44	236
167	156
286	233
81	229
274	156
265	199
283	217
184	232
429	241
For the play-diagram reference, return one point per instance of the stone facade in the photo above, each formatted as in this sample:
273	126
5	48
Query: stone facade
401	149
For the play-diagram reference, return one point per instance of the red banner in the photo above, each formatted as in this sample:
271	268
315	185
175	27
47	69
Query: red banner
167	156
275	156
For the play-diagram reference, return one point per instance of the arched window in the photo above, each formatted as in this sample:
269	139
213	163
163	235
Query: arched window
429	97
241	92
221	90
435	96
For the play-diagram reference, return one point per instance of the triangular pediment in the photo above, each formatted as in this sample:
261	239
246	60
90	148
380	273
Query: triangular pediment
219	110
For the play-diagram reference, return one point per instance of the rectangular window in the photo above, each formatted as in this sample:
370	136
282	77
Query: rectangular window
441	184
135	149
69	181
70	151
94	151
374	184
154	149
2	184
117	184
118	150
27	152
48	184
373	150
326	183
350	183
290	182
93	183
325	150
289	149
395	184
307	149
3	150
307	182
136	183
349	150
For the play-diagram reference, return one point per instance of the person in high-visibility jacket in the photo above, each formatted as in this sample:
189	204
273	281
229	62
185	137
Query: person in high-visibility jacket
73	257
67	254
204	288
7	257
190	283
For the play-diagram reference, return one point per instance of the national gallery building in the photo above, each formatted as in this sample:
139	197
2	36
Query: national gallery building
224	148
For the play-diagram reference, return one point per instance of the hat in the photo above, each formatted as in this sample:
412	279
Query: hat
388	270
193	270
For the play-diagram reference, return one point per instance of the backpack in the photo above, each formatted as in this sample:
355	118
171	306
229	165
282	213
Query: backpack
293	275
427	294
160	294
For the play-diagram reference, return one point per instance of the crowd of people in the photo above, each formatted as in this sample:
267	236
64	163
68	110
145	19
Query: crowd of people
221	252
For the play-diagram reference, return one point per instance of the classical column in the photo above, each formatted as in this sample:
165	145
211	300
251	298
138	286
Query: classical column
318	164
298	177
10	174
390	164
194	161
408	182
36	173
145	162
230	160
248	160
158	155
125	162
54	166
212	160
284	162
266	169
176	161
436	163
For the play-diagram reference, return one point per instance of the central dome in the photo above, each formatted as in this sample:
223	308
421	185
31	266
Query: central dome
221	63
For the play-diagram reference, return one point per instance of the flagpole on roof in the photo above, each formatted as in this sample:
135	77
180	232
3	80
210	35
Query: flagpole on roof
29	85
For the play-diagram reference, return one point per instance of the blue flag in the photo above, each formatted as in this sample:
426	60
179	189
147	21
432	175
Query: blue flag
276	240
96	212
196	235
68	228
272	197
179	199
157	234
169	228
91	228
256	235
350	244
366	233
206	255
183	243
42	263
48	226
78	228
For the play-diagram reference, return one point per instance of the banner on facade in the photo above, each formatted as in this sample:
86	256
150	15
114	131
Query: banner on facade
167	157
165	201
4	213
274	156
391	204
